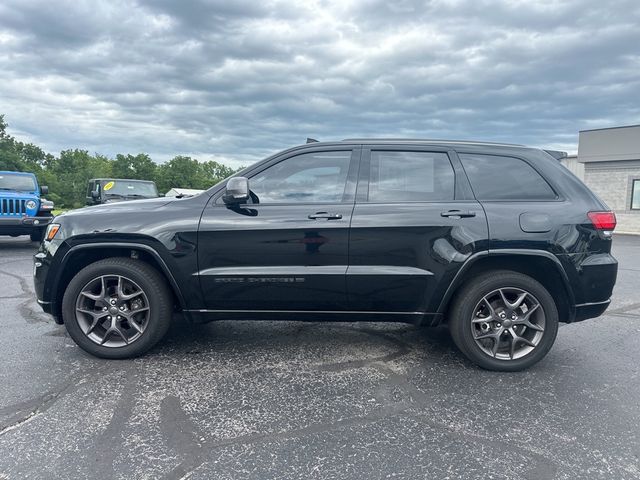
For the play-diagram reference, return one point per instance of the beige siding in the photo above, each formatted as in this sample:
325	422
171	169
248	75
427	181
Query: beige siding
575	167
612	182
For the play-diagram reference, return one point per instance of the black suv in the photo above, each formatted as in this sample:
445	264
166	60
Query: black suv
500	242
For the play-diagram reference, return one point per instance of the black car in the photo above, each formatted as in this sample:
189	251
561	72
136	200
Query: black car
500	242
107	190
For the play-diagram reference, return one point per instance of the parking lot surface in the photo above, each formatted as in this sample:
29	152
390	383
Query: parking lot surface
315	400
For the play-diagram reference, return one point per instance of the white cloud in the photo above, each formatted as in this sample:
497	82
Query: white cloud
239	80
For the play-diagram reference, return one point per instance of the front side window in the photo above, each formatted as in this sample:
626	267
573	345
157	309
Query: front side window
635	195
495	177
318	177
408	176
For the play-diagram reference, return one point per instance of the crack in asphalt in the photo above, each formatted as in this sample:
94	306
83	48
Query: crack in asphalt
112	435
182	435
26	307
23	412
624	309
396	393
26	291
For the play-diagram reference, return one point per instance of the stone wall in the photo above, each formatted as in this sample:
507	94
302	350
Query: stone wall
612	182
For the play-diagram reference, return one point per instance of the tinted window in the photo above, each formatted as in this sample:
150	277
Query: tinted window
410	177
129	188
307	178
23	183
504	178
635	195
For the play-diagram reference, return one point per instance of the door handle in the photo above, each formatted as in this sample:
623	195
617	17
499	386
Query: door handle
458	214
328	216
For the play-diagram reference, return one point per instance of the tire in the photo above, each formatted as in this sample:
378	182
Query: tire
488	343
37	235
154	305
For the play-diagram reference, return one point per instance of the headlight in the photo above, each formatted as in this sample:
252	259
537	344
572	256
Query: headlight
31	205
46	205
52	229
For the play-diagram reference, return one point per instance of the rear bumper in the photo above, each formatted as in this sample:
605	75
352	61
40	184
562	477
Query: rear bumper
593	279
585	311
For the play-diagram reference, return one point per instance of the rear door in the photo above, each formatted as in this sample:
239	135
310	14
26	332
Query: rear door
414	224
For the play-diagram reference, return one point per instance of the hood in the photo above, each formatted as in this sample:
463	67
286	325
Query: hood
122	207
18	194
129	219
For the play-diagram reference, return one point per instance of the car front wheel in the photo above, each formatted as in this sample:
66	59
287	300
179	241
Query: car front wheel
117	308
504	321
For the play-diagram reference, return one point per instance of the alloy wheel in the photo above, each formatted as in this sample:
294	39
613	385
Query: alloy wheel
508	323
112	310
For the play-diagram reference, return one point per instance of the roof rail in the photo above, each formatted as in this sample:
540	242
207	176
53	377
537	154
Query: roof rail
428	140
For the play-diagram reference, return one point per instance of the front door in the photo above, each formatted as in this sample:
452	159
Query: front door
414	224
287	249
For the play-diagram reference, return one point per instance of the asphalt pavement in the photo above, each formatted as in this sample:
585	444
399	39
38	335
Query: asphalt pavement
297	400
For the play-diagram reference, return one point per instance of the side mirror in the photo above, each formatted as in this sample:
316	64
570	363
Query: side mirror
44	189
237	191
95	195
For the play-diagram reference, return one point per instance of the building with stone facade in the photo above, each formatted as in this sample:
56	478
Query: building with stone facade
611	161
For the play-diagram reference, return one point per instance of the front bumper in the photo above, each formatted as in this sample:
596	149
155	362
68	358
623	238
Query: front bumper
14	225
43	283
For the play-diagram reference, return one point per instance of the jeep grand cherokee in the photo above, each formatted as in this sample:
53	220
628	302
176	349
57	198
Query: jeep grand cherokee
500	242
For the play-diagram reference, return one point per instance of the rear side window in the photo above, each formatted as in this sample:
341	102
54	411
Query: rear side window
406	176
505	178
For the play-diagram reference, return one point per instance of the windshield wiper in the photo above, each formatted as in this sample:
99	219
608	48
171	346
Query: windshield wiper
137	195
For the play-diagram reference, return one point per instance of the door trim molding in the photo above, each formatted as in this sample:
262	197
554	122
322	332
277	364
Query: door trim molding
268	271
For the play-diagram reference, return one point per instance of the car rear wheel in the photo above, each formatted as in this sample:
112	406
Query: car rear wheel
504	321
117	308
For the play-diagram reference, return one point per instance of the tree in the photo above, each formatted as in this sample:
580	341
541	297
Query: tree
215	172
180	171
139	167
19	156
68	173
9	157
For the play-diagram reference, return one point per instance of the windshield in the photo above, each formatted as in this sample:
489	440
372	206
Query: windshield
129	188
22	183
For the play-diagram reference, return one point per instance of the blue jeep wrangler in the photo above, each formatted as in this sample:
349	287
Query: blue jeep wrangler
22	210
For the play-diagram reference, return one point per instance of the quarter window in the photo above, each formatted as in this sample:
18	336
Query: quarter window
635	195
410	177
318	177
505	178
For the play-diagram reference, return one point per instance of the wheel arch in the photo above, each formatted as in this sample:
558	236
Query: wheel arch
79	256
546	269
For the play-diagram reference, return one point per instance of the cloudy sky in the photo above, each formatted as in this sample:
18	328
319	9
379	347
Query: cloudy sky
235	80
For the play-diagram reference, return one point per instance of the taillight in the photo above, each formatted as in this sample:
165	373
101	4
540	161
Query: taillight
603	220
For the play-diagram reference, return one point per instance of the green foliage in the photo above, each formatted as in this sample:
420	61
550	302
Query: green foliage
139	167
67	174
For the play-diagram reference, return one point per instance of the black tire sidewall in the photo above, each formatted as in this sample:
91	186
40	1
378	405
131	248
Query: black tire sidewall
148	279
472	293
